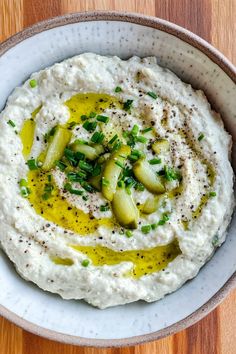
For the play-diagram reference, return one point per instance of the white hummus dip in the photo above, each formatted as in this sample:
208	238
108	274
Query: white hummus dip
115	180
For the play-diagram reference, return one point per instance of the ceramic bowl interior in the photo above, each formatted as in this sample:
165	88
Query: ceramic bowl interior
75	321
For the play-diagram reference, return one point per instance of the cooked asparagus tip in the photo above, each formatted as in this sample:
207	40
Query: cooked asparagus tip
160	146
89	151
151	204
145	174
112	171
125	209
56	147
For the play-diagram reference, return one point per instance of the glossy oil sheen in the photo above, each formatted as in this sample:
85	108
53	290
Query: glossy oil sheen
27	133
144	261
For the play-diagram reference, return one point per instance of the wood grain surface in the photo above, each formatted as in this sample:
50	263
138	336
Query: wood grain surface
214	20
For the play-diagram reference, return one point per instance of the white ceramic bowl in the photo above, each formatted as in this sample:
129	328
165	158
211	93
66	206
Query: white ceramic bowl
196	62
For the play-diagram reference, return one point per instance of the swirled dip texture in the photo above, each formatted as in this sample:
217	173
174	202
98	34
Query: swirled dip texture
115	180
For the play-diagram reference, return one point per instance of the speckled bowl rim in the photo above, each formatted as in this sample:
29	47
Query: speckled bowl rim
217	58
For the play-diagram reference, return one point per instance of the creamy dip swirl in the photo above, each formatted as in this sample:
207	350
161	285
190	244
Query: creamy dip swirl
115	180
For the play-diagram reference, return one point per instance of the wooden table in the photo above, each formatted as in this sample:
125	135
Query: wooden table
214	20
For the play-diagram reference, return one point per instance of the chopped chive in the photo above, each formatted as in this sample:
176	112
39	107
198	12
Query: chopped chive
154	226
212	194
76	191
170	174
130	182
135	130
79	155
139	187
97	137
90	126
61	165
105	181
113	139
71	156
85	263
85	197
116	146
33	83
128	233
103	119
85	166
83	117
23	183
120	164
146	229
146	130
48	187
118	89
154	161
121	184
68	187
81	141
125	134
49	178
201	136
92	115
46	196
11	123
76	176
164	219
141	139
24	191
127	105
128	191
32	164
152	94
96	170
87	186
104	208
133	157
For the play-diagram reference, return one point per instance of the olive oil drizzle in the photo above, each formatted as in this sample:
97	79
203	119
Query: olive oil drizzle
57	210
144	261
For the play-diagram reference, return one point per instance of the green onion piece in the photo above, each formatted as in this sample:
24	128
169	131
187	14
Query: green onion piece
87	186
121	184
83	117
135	130
85	166
96	170
11	123
128	233
97	137
70	155
127	105
46	196
212	194
141	139
32	164
164	219
49	178
116	146
171	174
118	89
85	263
152	94
92	115
104	207
76	176
120	164
24	191
146	229
61	165
113	139
139	187
85	197
154	226
90	126
146	130
33	83
103	119
201	136
133	157
154	161
76	191
23	183
48	187
130	182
